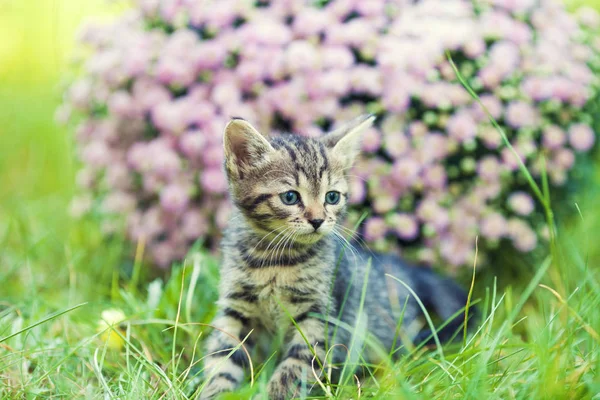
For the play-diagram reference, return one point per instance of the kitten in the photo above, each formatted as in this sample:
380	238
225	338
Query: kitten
281	252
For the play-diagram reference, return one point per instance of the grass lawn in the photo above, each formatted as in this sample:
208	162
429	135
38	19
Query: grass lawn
61	282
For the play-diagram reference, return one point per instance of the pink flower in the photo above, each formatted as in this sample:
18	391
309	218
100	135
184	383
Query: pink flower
405	226
174	198
491	76
474	48
489	169
434	177
213	181
266	31
405	171
249	73
335	82
80	93
226	93
223	214
301	56
97	154
149	94
163	253
366	79
429	211
121	103
396	144
370	8
374	228
172	116
192	144
493	226
396	99
581	137
311	21
515	6
153	222
505	57
523	237
537	88
163	160
493	106
117	176
384	202
436	147
462	127
520	114
137	59
118	202
357	190
521	203
553	137
175	71
564	158
218	14
417	129
336	57
371	140
558	176
454	251
194	224
209	54
213	157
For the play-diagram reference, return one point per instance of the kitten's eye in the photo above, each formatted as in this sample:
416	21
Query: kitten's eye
290	197
332	197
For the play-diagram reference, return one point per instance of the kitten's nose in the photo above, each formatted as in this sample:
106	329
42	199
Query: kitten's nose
316	223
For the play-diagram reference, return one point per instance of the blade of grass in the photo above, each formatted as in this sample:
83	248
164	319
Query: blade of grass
470	294
359	313
522	166
426	314
49	318
137	265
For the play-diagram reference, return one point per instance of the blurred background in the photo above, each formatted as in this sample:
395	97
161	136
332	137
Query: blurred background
37	163
38	160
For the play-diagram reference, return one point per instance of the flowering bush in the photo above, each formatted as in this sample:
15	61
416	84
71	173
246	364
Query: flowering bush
162	81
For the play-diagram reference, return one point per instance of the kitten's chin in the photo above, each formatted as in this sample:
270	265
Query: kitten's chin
309	238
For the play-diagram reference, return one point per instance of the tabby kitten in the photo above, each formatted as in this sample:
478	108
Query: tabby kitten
281	252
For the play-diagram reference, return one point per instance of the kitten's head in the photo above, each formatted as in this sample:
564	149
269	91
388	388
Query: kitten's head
291	184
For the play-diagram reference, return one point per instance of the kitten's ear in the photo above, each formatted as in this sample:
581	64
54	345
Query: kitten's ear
345	141
244	146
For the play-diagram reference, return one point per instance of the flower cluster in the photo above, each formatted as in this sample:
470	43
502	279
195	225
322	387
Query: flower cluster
162	81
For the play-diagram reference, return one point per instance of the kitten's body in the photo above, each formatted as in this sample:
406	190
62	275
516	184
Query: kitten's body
284	261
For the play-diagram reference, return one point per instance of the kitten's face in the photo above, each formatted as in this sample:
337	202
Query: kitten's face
291	186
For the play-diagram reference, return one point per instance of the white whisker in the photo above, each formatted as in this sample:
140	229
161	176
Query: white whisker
268	255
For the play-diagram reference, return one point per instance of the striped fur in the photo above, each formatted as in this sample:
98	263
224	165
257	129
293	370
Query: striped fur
277	264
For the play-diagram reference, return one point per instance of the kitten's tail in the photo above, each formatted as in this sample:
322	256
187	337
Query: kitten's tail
446	299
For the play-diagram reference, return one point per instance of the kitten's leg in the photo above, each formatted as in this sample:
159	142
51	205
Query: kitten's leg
297	363
226	371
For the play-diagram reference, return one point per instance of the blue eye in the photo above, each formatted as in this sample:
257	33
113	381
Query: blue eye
290	197
332	197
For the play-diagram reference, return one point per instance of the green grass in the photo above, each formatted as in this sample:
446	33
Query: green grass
539	336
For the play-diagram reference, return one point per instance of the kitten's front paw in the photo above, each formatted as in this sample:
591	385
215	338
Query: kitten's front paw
285	382
221	383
